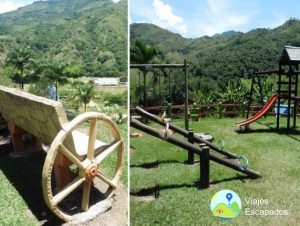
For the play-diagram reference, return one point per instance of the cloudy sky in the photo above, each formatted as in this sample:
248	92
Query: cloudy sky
192	18
10	5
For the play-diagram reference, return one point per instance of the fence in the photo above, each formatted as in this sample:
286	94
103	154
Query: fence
212	110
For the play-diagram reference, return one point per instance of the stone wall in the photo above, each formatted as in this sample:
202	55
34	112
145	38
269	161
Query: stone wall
39	116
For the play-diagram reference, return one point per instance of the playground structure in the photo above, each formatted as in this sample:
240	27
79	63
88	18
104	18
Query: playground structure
288	81
202	149
145	68
262	112
46	120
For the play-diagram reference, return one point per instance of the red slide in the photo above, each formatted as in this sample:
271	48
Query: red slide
260	113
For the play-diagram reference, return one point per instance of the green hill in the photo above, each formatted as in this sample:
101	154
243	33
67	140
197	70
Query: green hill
223	211
223	57
235	207
90	33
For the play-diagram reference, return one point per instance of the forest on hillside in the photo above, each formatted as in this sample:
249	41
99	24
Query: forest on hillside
90	35
218	66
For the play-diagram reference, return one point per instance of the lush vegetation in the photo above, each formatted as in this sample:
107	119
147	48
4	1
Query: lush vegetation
51	45
156	164
216	64
90	35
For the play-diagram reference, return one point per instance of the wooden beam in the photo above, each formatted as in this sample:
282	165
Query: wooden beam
190	147
144	66
184	132
266	72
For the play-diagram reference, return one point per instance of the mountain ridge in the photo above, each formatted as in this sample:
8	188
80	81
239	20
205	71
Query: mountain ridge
223	58
90	33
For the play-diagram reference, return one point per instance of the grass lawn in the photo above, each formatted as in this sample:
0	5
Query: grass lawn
157	163
19	191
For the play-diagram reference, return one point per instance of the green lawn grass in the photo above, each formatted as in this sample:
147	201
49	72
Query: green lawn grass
21	190
157	163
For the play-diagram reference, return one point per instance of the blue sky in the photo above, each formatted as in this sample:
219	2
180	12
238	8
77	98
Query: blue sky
10	5
192	18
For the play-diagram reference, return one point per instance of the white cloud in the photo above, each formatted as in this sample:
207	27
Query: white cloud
6	6
116	1
164	17
223	15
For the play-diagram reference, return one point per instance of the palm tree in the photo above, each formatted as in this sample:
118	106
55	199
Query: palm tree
85	93
141	53
35	69
19	59
55	73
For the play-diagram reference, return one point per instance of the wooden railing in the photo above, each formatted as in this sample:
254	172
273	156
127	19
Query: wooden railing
216	110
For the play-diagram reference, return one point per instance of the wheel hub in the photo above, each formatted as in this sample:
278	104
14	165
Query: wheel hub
91	171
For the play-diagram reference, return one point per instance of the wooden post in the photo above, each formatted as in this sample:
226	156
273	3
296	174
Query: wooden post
169	78
20	147
204	168
186	96
251	93
145	91
220	111
296	94
190	153
289	97
140	94
260	92
278	100
169	110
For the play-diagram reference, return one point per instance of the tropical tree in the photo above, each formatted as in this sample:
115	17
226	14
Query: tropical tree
73	71
35	69
55	73
234	92
141	53
85	93
19	59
